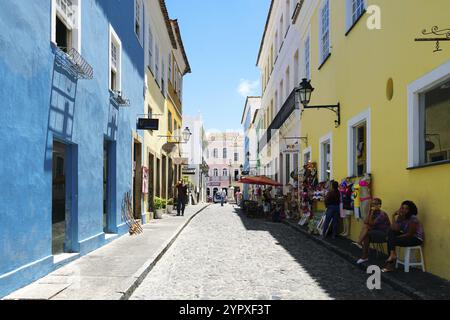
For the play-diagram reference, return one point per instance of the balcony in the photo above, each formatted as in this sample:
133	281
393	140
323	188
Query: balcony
74	63
281	117
218	179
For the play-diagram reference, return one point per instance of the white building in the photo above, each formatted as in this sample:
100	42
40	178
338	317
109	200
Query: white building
283	60
193	151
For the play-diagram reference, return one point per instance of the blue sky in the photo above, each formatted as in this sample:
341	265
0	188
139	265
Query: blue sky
221	39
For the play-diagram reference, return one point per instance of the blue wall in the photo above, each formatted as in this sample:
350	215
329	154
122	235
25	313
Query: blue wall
41	102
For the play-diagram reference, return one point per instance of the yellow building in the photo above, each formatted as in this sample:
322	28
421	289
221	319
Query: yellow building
163	48
394	95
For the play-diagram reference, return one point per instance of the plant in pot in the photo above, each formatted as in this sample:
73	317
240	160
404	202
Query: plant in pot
169	206
158	205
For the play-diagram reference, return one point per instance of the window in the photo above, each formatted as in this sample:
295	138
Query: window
170	122
307	58
225	172
163	77
66	24
296	164
288	169
236	175
215	153
216	172
324	31
138	18
157	63
150	49
296	69
307	156
224	153
115	61
288	13
281	94
150	116
170	68
288	81
207	153
359	142
236	157
354	9
276	43
325	171
281	31
434	111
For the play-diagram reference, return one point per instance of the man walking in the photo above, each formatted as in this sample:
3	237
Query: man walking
181	199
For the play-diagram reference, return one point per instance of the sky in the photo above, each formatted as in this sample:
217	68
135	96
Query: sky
222	40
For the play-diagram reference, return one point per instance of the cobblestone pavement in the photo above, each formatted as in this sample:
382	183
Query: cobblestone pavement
224	255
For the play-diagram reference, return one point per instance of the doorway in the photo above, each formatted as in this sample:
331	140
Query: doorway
64	195
137	180
158	178
151	181
164	177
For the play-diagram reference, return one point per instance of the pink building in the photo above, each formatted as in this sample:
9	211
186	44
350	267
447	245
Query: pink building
225	158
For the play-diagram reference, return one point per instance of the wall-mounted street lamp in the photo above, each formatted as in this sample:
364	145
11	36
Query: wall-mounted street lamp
303	95
183	139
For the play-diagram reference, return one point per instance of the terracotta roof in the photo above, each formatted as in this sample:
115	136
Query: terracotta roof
265	31
180	42
162	4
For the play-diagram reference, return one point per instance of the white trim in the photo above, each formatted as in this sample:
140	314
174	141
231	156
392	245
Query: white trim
431	79
322	5
325	139
364	116
305	151
76	29
140	37
349	13
113	36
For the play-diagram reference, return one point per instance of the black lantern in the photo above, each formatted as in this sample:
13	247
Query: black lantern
305	90
303	96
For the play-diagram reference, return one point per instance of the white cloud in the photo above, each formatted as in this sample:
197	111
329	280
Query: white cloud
248	88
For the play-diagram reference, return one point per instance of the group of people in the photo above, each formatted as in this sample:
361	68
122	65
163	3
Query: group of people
405	229
182	197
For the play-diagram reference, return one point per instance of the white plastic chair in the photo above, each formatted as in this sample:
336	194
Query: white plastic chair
407	263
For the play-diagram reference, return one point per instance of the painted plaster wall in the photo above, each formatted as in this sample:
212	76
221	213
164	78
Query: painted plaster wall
42	102
356	75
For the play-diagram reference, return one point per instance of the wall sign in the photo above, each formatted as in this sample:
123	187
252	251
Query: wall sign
148	124
436	35
291	148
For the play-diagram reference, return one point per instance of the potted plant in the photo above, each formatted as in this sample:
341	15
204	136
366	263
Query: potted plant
159	210
169	206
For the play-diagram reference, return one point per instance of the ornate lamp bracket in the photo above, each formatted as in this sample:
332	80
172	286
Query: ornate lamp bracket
434	31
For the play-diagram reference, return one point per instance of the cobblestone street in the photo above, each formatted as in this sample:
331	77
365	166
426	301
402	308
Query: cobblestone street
224	255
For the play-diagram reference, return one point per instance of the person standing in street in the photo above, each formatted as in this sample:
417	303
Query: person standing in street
222	197
332	201
181	199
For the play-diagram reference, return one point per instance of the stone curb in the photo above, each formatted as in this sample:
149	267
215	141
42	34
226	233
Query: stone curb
396	284
142	273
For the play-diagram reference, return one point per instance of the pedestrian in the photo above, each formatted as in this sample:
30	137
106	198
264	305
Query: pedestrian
222	197
181	199
332	202
406	231
375	229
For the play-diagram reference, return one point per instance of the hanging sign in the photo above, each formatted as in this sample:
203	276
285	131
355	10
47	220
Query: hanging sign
291	148
148	124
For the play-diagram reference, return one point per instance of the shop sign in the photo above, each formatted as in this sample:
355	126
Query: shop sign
291	148
148	124
189	172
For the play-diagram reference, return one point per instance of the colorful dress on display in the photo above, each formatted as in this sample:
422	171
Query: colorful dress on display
356	201
365	197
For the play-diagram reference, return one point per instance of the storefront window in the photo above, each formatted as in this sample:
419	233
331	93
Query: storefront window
360	147
435	120
326	161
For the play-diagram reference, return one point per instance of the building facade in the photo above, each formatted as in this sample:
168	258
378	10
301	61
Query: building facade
394	98
71	99
225	159
252	106
279	62
196	170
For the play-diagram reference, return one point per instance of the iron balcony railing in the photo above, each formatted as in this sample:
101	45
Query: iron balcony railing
74	63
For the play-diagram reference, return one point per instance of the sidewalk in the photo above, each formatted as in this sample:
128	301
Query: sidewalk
114	271
416	284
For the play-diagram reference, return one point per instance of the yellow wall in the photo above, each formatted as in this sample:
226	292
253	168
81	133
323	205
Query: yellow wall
356	75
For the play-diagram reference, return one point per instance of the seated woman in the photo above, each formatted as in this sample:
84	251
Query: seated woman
406	231
376	227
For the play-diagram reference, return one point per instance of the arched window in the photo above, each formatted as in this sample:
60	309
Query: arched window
225	172
216	172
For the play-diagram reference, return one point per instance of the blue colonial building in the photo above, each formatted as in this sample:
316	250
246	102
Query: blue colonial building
251	108
71	89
